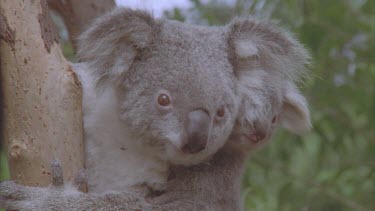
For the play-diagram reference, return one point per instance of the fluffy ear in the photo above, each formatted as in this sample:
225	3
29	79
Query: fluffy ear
111	43
265	59
295	115
258	44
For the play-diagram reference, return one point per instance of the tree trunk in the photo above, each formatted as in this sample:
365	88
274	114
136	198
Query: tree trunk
77	14
42	114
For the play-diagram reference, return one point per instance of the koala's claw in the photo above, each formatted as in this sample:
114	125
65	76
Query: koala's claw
57	173
80	179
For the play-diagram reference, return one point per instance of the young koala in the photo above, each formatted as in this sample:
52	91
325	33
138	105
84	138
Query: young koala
160	95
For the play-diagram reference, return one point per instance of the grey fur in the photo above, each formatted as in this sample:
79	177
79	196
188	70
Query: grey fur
248	66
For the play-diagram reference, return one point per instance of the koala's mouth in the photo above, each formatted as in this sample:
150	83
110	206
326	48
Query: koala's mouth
186	149
255	137
176	156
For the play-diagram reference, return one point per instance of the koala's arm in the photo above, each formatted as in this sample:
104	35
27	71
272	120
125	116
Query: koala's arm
59	196
65	197
18	197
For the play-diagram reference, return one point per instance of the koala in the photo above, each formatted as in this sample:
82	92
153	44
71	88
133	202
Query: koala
175	108
152	98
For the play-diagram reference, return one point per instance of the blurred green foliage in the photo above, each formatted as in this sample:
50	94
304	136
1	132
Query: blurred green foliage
333	167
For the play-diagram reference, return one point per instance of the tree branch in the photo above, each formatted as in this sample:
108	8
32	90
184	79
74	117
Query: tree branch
77	14
41	95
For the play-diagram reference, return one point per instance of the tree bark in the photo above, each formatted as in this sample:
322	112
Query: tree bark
42	114
77	14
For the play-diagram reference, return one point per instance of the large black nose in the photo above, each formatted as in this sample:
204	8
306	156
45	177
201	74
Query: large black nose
197	126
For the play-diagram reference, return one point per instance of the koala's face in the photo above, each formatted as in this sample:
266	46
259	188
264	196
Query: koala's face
180	94
248	136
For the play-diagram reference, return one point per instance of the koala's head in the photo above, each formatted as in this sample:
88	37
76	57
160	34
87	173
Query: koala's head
174	82
180	86
268	62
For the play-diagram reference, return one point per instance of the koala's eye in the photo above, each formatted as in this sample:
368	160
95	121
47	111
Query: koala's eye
220	112
164	100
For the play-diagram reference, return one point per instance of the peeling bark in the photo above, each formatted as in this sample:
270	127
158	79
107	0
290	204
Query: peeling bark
74	18
42	114
6	33
47	28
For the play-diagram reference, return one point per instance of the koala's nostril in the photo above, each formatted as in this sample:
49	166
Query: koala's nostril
197	142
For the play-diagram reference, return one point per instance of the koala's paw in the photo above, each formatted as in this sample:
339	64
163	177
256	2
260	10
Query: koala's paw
18	197
8	192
